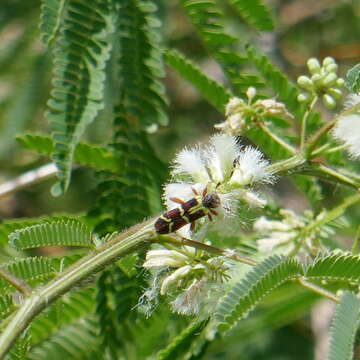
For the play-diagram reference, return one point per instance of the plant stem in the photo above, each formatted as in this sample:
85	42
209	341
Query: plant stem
304	122
276	138
355	247
337	175
318	290
17	283
208	248
311	144
40	298
31	177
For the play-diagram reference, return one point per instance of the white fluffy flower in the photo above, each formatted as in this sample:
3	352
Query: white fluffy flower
223	167
251	167
347	130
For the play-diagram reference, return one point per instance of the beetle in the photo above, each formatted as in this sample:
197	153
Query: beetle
188	211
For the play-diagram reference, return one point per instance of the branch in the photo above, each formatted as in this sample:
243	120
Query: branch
31	177
16	282
40	298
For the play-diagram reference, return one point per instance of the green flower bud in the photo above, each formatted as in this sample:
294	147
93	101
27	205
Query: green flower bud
340	82
316	79
305	82
332	68
313	65
328	60
329	101
302	98
335	93
330	79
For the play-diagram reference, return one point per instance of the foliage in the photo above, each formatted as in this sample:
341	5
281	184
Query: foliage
77	277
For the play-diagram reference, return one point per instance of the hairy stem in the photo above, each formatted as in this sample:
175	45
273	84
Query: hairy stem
40	298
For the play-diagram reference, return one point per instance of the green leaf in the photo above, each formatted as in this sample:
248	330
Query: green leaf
33	270
64	233
6	306
181	344
352	80
142	92
51	18
259	282
80	54
255	13
67	309
344	327
97	157
78	340
285	91
212	91
335	267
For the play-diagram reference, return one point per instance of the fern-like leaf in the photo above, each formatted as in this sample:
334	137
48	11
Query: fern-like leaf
344	326
181	343
212	91
51	18
78	340
80	55
335	267
32	269
255	13
352	80
259	282
6	306
141	64
64	233
66	310
97	157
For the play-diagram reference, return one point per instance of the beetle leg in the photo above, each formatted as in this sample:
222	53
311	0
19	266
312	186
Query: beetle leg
192	226
209	216
194	191
204	192
214	212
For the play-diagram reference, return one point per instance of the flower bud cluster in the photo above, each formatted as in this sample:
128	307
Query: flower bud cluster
241	115
189	275
323	82
292	234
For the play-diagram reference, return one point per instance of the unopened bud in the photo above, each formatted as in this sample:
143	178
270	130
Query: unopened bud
316	78
331	68
328	60
335	93
302	98
340	82
305	82
330	79
313	65
329	101
250	93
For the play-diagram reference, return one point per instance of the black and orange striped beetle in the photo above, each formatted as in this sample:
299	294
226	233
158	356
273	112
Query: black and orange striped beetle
188	212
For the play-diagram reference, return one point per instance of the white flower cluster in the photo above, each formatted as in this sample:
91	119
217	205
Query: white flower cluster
193	277
347	128
223	167
291	235
241	115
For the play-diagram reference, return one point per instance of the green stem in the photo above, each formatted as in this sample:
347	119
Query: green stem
335	149
355	247
40	298
313	141
276	138
338	176
304	122
318	290
208	248
17	283
335	212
